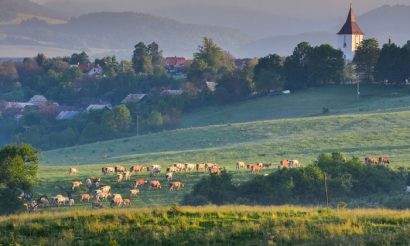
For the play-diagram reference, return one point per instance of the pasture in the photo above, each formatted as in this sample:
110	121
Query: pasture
226	225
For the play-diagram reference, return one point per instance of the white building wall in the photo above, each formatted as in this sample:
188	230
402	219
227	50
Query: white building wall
349	44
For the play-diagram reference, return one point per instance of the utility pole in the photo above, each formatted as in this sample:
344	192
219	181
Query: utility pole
358	88
138	124
327	196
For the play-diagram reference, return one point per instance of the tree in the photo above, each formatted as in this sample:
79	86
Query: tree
326	65
233	86
81	58
18	173
296	66
386	68
365	59
122	117
141	59
268	74
209	62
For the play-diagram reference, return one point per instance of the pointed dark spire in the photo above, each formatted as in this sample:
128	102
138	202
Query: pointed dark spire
351	26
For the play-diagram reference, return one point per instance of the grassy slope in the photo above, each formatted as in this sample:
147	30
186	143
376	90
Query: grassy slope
226	225
377	133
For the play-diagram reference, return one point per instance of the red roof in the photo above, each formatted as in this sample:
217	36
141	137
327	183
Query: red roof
175	61
351	26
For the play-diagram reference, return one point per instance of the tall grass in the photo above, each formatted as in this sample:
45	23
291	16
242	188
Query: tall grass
227	225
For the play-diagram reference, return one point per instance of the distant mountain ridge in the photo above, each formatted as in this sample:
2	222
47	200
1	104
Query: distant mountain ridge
15	11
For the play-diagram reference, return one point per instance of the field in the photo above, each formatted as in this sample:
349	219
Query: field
383	131
228	225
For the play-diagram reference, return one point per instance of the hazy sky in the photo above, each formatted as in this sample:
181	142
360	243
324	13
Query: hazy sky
311	9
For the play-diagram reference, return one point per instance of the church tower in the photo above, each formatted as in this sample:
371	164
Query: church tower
350	36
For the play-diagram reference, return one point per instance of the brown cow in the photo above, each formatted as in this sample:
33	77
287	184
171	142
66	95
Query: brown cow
201	167
119	169
134	192
384	160
76	184
155	184
175	186
116	200
137	169
127	202
169	176
107	170
72	171
215	170
140	182
370	160
255	168
86	197
126	175
284	164
179	166
106	189
172	169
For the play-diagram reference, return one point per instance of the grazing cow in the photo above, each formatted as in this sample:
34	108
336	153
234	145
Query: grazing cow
116	200
172	169
137	169
88	183
69	202
284	164
126	175
155	184
127	202
107	170
210	165
189	167
175	186
155	171
169	176
215	170
76	184
119	169
106	189
72	171
120	177
134	192
267	165
100	195
140	182
294	164
86	197
58	200
240	164
201	167
255	168
179	166
370	160
384	160
96	205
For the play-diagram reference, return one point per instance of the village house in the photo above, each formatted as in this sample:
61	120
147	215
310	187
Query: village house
94	107
133	98
172	92
92	70
67	115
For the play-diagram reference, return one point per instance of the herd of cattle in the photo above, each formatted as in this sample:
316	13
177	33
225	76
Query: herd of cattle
103	193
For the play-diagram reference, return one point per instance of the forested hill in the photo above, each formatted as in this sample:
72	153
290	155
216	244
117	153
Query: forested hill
15	11
110	30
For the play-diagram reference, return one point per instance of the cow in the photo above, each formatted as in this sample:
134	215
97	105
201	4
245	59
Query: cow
172	169
126	175
134	192
69	202
96	205
179	166
106	189
72	171
116	200
370	160
284	164
137	169
169	176
240	164
294	164
140	182
201	167
267	165
119	169
255	168
107	170
76	184
101	195
155	184
120	177
214	170
155	170
384	160
210	165
127	202
189	167
86	197
58	200
88	183
175	186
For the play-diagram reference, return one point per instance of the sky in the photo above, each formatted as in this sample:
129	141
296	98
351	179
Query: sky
304	9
